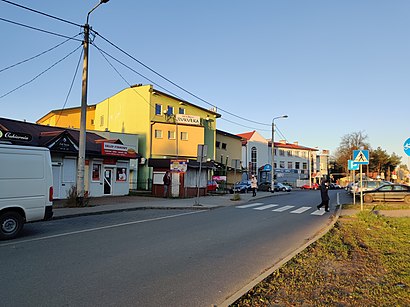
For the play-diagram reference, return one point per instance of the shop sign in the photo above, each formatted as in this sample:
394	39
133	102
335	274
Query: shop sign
179	166
15	136
188	119
118	150
64	144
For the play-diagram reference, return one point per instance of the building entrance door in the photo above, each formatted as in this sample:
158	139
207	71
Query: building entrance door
108	181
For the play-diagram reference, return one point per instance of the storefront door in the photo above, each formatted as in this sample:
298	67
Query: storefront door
108	181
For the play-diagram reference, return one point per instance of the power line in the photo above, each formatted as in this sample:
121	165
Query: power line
176	85
43	72
37	29
71	87
44	14
37	55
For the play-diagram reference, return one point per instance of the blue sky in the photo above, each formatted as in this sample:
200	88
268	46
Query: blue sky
334	67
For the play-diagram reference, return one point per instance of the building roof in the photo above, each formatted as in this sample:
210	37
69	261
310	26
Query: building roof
228	134
56	139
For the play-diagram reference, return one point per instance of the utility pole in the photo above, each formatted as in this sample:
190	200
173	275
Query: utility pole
83	116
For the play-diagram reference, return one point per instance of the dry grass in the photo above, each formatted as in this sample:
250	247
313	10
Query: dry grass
362	261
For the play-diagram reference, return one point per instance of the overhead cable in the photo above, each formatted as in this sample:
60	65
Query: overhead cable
37	29
38	12
43	72
176	85
37	55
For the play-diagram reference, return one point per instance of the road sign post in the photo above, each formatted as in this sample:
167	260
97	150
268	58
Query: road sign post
361	157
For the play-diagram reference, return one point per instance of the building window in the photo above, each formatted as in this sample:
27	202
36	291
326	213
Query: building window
282	164
158	109
158	134
290	153
92	122
254	160
184	136
101	120
281	152
171	135
121	174
217	144
96	174
181	110
297	165
297	153
224	146
304	165
170	110
290	165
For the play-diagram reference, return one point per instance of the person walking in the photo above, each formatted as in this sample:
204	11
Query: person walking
324	187
254	185
167	181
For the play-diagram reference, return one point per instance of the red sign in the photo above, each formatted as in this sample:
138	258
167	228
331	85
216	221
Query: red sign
118	150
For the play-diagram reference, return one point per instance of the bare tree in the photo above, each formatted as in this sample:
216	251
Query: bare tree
350	142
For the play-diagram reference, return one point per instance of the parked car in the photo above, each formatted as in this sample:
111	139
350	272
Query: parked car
388	192
265	186
334	186
367	185
314	186
282	187
212	186
241	187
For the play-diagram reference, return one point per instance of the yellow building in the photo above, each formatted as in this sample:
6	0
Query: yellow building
167	127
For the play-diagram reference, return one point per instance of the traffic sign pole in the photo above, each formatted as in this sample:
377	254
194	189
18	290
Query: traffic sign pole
361	188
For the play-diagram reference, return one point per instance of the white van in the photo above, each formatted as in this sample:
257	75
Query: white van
26	187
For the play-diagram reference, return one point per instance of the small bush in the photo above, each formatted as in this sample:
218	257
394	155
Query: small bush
74	201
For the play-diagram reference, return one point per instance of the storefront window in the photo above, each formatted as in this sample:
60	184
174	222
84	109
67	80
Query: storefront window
121	174
96	172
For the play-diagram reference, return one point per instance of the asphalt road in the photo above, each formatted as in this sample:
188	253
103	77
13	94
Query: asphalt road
154	257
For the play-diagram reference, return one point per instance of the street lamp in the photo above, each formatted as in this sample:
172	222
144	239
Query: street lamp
83	114
273	152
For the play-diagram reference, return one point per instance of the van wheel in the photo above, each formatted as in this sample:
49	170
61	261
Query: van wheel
407	199
11	224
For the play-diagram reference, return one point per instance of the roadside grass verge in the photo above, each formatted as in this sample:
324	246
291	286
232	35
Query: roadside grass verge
378	206
362	261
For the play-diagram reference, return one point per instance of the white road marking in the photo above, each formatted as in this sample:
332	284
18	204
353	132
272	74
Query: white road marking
249	205
265	207
318	212
284	208
100	228
301	210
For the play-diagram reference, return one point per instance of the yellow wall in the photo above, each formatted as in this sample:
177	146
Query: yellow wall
68	118
164	147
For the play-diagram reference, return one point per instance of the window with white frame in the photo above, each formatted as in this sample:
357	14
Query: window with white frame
171	135
158	109
297	165
170	110
158	134
281	152
290	153
181	110
184	136
281	164
290	165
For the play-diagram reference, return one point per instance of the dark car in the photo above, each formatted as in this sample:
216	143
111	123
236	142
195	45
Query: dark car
388	192
282	187
241	187
265	186
334	186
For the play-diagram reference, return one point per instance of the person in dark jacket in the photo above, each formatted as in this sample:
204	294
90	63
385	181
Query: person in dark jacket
167	181
324	187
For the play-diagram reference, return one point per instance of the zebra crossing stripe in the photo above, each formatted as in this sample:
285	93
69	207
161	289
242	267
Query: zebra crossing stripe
301	210
265	207
249	205
318	212
284	208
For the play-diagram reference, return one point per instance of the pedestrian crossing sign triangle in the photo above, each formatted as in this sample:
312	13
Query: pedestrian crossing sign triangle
361	156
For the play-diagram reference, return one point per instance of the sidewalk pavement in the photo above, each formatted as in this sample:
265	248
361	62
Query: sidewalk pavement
111	204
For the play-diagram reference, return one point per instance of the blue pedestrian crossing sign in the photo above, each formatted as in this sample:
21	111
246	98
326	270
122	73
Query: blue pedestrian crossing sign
361	156
406	147
352	166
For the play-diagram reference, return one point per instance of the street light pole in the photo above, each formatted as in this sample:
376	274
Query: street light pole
273	152
83	115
